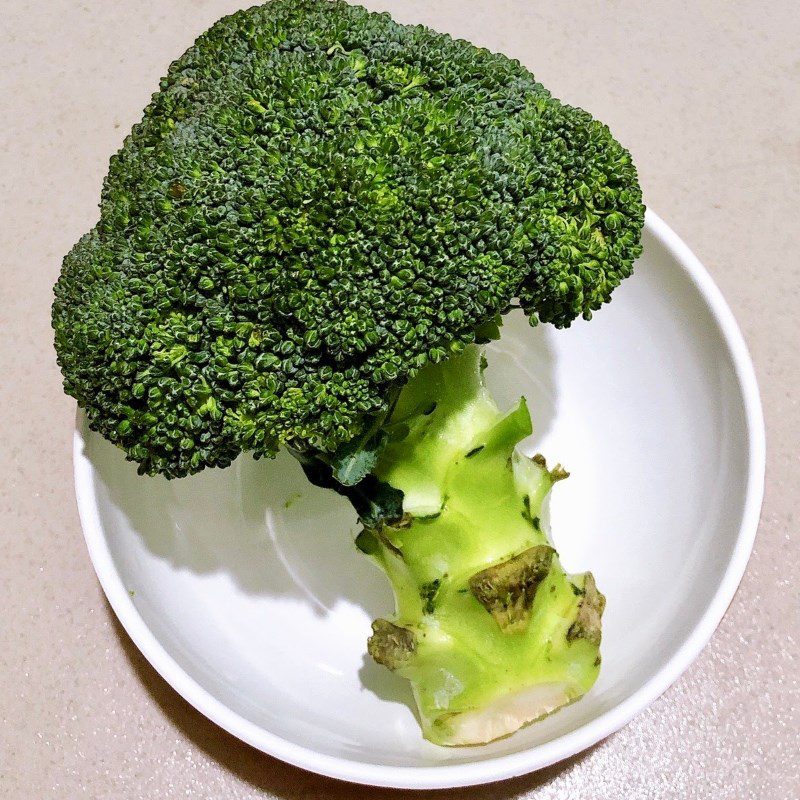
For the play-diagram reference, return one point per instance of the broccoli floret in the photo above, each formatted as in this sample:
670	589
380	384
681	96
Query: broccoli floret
317	203
319	220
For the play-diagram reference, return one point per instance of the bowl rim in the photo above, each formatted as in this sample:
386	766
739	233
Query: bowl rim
501	767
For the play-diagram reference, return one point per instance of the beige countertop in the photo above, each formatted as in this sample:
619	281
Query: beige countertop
706	97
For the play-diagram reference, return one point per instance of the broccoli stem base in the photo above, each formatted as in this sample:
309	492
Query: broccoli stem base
489	629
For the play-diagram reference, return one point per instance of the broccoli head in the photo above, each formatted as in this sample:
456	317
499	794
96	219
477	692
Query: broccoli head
317	203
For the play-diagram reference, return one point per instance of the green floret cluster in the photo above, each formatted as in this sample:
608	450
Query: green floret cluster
317	203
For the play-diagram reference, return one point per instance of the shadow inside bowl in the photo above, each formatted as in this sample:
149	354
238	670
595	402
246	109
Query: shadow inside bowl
272	533
258	520
275	778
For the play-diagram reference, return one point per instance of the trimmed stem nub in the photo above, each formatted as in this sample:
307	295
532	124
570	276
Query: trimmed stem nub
391	645
507	590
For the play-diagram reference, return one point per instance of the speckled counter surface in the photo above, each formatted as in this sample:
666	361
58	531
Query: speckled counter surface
707	97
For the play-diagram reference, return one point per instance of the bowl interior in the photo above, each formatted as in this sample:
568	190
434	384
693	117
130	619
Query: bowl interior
249	579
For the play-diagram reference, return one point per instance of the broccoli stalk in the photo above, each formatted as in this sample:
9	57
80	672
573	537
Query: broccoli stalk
489	629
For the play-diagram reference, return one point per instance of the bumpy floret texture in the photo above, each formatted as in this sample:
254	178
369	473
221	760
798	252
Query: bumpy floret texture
316	203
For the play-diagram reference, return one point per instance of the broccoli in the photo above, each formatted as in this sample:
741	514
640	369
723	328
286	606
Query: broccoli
304	243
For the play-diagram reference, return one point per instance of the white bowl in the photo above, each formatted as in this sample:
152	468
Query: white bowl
244	590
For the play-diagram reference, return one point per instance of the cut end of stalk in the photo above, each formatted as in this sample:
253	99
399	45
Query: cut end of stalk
502	717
